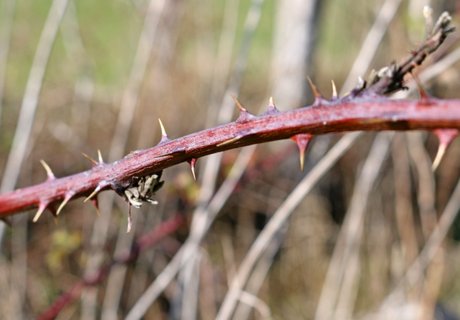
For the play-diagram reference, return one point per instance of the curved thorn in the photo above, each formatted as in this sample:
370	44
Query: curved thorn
239	105
67	197
314	89
334	90
89	158
162	127
99	157
164	135
271	103
192	163
439	155
41	209
48	170
96	190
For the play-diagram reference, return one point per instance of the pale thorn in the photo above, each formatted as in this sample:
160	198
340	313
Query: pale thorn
48	170
99	156
89	158
63	203
334	90
439	155
271	102
41	209
302	159
314	89
239	105
192	168
162	127
98	188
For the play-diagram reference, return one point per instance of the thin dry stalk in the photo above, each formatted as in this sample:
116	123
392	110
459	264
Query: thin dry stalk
124	122
403	206
371	43
192	244
278	220
30	101
18	151
339	297
202	218
7	18
426	185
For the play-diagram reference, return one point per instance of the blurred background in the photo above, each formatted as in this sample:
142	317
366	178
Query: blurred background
81	76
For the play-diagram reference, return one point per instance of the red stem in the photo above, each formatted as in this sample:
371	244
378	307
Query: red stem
363	114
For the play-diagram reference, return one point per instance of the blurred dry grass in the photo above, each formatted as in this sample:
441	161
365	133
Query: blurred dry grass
184	83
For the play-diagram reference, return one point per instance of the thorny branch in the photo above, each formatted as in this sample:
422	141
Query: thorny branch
365	108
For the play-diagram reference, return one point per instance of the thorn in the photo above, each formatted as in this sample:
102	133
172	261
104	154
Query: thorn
41	209
229	141
445	137
315	91
334	90
130	219
244	114
239	105
48	170
89	158
67	197
192	163
272	109
96	190
164	135
99	157
302	140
